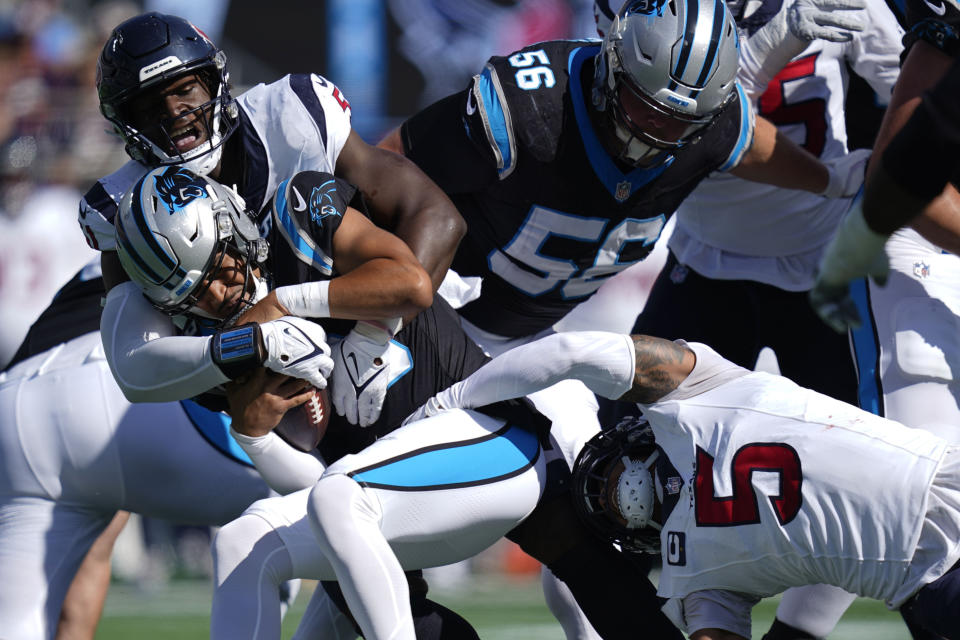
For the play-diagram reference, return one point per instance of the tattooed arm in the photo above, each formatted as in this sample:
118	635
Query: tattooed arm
637	369
661	365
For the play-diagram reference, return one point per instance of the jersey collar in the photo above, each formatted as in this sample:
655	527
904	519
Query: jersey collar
620	185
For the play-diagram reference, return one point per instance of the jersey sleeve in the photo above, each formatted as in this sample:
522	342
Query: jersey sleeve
307	211
936	23
448	142
336	112
874	53
712	609
744	119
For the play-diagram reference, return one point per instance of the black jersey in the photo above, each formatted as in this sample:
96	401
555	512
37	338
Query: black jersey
74	311
306	214
550	215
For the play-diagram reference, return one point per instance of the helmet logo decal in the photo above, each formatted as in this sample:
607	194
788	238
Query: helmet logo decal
321	202
157	67
177	187
647	7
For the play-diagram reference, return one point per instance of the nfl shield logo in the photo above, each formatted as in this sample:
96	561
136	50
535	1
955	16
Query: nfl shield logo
921	269
623	191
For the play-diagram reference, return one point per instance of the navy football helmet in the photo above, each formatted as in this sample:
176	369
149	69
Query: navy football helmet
147	52
613	486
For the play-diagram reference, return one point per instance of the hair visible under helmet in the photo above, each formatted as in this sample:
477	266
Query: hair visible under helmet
666	70
150	50
173	229
620	507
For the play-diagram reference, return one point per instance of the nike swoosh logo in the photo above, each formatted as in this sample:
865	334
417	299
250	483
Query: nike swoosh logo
938	9
356	369
471	104
299	205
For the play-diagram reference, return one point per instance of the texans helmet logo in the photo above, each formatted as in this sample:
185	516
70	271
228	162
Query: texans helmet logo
177	188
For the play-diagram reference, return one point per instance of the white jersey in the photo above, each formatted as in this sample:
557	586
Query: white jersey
299	122
788	229
765	476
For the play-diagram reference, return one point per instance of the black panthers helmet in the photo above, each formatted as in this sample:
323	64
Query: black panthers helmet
150	50
630	522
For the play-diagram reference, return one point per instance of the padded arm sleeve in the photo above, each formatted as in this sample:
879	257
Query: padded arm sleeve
283	468
601	360
148	361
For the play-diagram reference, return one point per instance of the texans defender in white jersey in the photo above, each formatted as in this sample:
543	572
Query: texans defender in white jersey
73	451
752	249
216	270
754	484
163	85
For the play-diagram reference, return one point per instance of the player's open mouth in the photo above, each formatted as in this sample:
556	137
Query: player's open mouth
185	138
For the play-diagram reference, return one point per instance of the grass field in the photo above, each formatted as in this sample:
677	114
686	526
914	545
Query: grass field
499	608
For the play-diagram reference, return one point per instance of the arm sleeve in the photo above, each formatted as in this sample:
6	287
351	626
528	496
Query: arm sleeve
283	468
712	609
148	361
603	361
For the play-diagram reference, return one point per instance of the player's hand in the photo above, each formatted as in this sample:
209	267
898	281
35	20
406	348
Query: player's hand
361	376
846	174
298	348
856	251
449	398
832	20
260	400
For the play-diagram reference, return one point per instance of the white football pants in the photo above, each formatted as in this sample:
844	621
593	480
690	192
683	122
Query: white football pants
72	452
431	493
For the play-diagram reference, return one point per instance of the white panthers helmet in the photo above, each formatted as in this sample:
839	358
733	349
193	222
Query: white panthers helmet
666	70
173	229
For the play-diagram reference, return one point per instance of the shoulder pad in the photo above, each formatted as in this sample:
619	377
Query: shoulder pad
307	211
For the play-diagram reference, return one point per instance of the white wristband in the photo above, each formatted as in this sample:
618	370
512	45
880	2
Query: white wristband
307	300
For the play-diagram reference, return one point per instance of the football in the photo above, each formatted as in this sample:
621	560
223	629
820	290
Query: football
304	427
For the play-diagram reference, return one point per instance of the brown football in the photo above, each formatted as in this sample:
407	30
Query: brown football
304	427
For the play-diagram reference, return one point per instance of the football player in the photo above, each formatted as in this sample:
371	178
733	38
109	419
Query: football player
216	265
754	484
761	277
164	87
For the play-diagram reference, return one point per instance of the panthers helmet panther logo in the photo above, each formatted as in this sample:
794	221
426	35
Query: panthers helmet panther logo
177	187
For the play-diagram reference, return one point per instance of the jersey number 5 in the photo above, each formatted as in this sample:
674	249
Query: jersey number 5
742	507
811	113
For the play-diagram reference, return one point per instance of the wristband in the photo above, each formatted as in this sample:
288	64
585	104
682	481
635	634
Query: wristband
238	350
307	300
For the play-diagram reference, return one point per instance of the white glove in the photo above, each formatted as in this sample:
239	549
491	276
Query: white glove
831	20
856	251
298	348
846	174
790	31
361	375
449	398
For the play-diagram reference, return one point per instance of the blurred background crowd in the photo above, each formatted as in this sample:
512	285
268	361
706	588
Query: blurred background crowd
389	57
